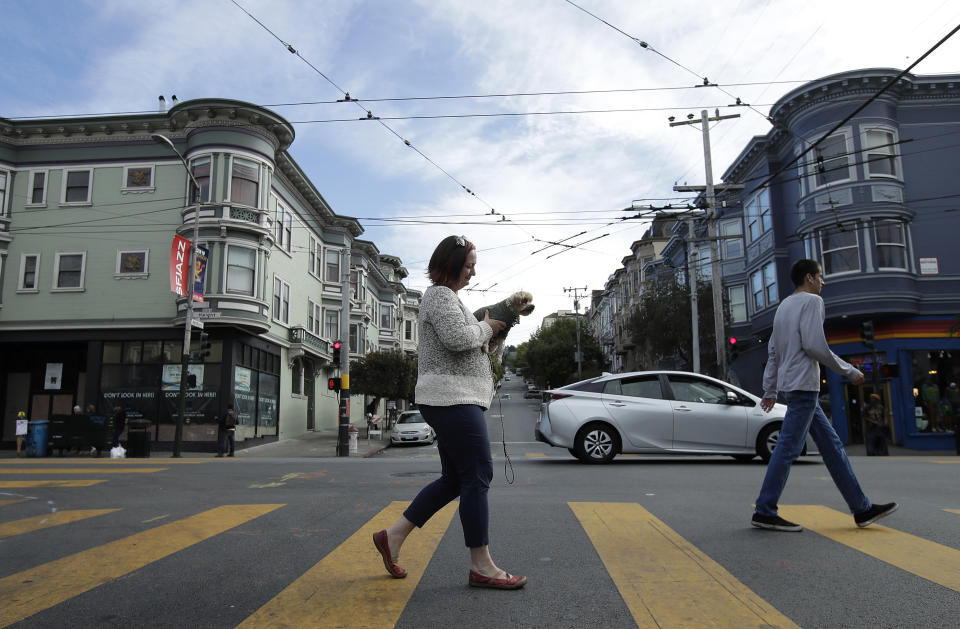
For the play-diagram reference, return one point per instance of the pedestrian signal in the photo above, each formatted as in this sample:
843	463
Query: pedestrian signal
333	384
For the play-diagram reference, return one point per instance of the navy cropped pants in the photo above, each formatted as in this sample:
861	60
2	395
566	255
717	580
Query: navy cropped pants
467	469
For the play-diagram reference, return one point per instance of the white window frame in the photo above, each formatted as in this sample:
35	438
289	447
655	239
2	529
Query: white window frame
727	229
824	252
150	187
227	266
767	276
332	334
888	151
734	301
36	273
902	244
208	157
283	226
386	310
408	330
63	186
315	258
31	187
327	251
759	216
119	272
848	155
315	318
260	178
280	304
6	174
55	285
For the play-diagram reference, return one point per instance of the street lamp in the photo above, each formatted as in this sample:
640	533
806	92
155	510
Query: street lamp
188	322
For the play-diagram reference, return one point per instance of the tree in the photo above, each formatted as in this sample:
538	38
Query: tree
390	375
550	354
661	324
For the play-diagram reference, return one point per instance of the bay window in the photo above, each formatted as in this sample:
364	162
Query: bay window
245	182
241	270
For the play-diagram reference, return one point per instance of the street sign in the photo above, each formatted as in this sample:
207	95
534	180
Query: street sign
197	323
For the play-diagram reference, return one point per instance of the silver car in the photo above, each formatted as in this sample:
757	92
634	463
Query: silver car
659	412
412	428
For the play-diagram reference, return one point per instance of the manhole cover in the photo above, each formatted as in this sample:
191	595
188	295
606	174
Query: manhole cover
415	474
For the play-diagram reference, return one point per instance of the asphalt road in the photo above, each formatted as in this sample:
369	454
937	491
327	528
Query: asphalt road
645	541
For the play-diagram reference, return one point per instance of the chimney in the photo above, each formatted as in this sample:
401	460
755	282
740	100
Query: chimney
174	99
162	106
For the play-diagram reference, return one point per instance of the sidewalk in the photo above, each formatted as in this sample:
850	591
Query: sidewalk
318	443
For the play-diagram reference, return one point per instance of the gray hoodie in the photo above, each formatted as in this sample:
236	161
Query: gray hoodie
798	345
452	368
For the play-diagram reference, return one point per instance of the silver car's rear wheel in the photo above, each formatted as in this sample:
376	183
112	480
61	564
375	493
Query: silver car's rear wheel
596	443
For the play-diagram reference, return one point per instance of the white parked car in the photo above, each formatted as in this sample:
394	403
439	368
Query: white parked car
411	428
659	412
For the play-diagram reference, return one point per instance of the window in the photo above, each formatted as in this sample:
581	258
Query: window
332	265
758	215
358	285
241	270
132	263
408	330
137	177
646	387
314	317
358	338
284	227
891	245
763	286
77	185
201	172
731	243
841	251
245	182
692	389
831	161
315	257
331	324
3	193
38	187
386	317
879	154
281	300
68	271
29	267
737	298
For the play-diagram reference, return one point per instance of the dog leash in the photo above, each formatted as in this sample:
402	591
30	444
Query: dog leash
512	476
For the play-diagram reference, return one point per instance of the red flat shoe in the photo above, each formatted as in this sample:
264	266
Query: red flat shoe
380	541
512	582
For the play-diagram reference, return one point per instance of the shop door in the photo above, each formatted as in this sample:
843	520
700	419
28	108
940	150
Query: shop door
857	397
311	391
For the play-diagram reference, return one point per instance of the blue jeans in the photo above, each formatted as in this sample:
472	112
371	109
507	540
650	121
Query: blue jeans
805	415
467	469
227	438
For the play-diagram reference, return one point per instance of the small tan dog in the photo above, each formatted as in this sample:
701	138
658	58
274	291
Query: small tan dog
519	304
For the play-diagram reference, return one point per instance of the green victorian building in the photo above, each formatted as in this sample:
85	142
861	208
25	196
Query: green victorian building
88	210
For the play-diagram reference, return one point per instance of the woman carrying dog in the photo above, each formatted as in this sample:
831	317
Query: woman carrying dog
454	387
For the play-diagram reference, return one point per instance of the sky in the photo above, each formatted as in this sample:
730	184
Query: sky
549	176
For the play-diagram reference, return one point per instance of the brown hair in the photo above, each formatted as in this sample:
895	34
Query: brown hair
448	259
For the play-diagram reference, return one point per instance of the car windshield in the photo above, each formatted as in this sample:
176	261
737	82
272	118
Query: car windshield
413	418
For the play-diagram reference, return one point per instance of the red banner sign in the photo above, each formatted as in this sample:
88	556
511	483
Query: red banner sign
179	265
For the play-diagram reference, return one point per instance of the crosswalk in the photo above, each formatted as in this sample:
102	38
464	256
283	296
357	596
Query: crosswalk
663	579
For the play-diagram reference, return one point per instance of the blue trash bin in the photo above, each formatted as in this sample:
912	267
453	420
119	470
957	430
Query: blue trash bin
37	438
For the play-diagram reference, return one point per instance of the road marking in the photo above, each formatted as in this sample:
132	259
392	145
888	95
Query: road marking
535	454
36	523
159	517
926	559
947	462
104	461
351	580
22	484
82	470
11	501
31	591
664	580
957	511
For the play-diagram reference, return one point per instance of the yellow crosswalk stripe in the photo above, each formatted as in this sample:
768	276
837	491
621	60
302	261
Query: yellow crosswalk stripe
926	559
663	579
11	501
105	461
82	470
23	484
34	590
535	454
351	580
957	511
36	523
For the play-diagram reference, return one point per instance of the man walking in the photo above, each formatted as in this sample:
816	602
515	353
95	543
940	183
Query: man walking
796	348
228	429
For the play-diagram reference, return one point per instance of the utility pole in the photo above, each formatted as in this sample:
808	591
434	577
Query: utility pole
694	299
343	436
713	214
576	309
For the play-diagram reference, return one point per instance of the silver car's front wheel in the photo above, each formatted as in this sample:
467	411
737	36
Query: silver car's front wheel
767	441
596	443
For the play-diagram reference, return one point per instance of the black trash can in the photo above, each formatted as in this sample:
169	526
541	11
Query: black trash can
138	438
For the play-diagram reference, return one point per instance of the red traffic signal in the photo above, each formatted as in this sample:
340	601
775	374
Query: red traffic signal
333	384
733	340
336	345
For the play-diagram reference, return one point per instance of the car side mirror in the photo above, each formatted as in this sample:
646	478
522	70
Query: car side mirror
733	398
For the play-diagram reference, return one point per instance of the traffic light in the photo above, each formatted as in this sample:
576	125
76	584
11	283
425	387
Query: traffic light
204	349
734	348
890	371
866	334
333	384
336	354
